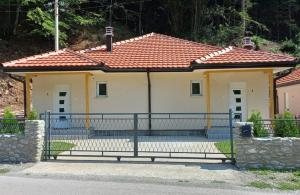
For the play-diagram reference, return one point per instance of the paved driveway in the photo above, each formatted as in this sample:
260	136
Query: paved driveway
179	146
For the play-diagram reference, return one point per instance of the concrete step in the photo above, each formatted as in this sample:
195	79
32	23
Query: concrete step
218	133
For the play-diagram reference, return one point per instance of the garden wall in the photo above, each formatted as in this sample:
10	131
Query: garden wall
27	147
269	152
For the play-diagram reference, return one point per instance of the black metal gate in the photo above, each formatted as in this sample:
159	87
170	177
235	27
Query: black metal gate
139	135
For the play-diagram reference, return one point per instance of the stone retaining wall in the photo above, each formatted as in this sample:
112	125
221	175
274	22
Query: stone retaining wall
270	152
23	148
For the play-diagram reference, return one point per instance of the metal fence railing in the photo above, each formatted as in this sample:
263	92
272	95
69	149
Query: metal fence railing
12	126
155	135
277	128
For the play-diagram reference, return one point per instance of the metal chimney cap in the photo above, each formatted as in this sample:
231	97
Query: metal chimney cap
109	30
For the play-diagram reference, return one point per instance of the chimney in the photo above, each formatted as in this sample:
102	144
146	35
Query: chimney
109	34
248	44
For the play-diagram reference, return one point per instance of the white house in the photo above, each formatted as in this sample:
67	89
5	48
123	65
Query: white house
153	73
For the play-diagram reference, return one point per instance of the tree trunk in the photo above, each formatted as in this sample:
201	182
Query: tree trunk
17	17
140	17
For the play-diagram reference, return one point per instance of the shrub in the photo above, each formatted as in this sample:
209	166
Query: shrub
258	125
286	126
9	124
33	115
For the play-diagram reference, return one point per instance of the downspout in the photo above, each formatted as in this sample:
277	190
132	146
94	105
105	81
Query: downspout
149	100
24	90
280	75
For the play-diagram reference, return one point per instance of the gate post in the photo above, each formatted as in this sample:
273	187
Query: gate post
231	137
49	133
45	136
135	137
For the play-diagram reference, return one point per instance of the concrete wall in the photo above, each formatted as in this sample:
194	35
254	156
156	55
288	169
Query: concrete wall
293	94
270	152
23	148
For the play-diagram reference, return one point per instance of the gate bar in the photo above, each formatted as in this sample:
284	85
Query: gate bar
231	137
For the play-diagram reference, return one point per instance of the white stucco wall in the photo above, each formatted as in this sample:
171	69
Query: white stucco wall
293	92
127	92
257	91
44	87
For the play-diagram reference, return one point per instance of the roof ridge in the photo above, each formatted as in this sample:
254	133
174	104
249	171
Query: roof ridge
266	53
188	41
34	57
213	54
84	56
103	46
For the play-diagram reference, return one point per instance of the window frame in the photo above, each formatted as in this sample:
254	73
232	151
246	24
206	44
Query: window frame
200	85
97	88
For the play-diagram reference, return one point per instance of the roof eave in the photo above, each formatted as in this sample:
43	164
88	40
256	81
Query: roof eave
281	64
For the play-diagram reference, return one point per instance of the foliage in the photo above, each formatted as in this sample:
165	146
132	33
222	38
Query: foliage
33	115
9	124
286	126
221	22
258	125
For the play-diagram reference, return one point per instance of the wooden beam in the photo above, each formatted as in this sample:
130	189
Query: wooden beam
87	100
271	94
208	99
28	97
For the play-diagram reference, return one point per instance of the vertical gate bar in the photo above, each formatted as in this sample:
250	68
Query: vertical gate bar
231	136
49	133
45	137
135	138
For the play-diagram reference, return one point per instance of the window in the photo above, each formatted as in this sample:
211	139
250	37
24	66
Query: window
62	94
196	88
101	89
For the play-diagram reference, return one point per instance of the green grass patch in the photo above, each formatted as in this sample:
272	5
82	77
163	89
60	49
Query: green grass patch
3	171
260	185
59	147
225	148
288	186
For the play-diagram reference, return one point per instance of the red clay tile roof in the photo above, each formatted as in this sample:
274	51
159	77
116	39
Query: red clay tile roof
63	57
291	78
151	51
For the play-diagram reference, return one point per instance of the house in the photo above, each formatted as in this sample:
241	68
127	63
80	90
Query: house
153	73
288	93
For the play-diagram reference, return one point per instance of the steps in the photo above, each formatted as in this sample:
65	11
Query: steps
218	133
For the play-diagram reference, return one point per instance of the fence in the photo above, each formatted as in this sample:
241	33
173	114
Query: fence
12	126
155	135
277	128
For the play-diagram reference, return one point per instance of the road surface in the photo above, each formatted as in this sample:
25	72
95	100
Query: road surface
10	185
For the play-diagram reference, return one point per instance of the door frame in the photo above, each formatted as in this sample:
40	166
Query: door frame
243	87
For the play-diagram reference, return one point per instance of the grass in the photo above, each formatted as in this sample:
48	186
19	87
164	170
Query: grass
59	147
260	185
276	179
225	148
3	171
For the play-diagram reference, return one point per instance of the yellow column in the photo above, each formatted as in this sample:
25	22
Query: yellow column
87	100
28	97
208	98
271	94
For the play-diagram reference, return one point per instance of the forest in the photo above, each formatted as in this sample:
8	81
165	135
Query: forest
28	25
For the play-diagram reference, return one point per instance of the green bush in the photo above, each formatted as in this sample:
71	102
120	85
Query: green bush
258	125
286	126
33	115
9	124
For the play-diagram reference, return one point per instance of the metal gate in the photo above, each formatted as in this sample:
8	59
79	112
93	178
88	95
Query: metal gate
139	135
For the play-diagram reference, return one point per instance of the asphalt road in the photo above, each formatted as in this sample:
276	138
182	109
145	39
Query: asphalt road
39	186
